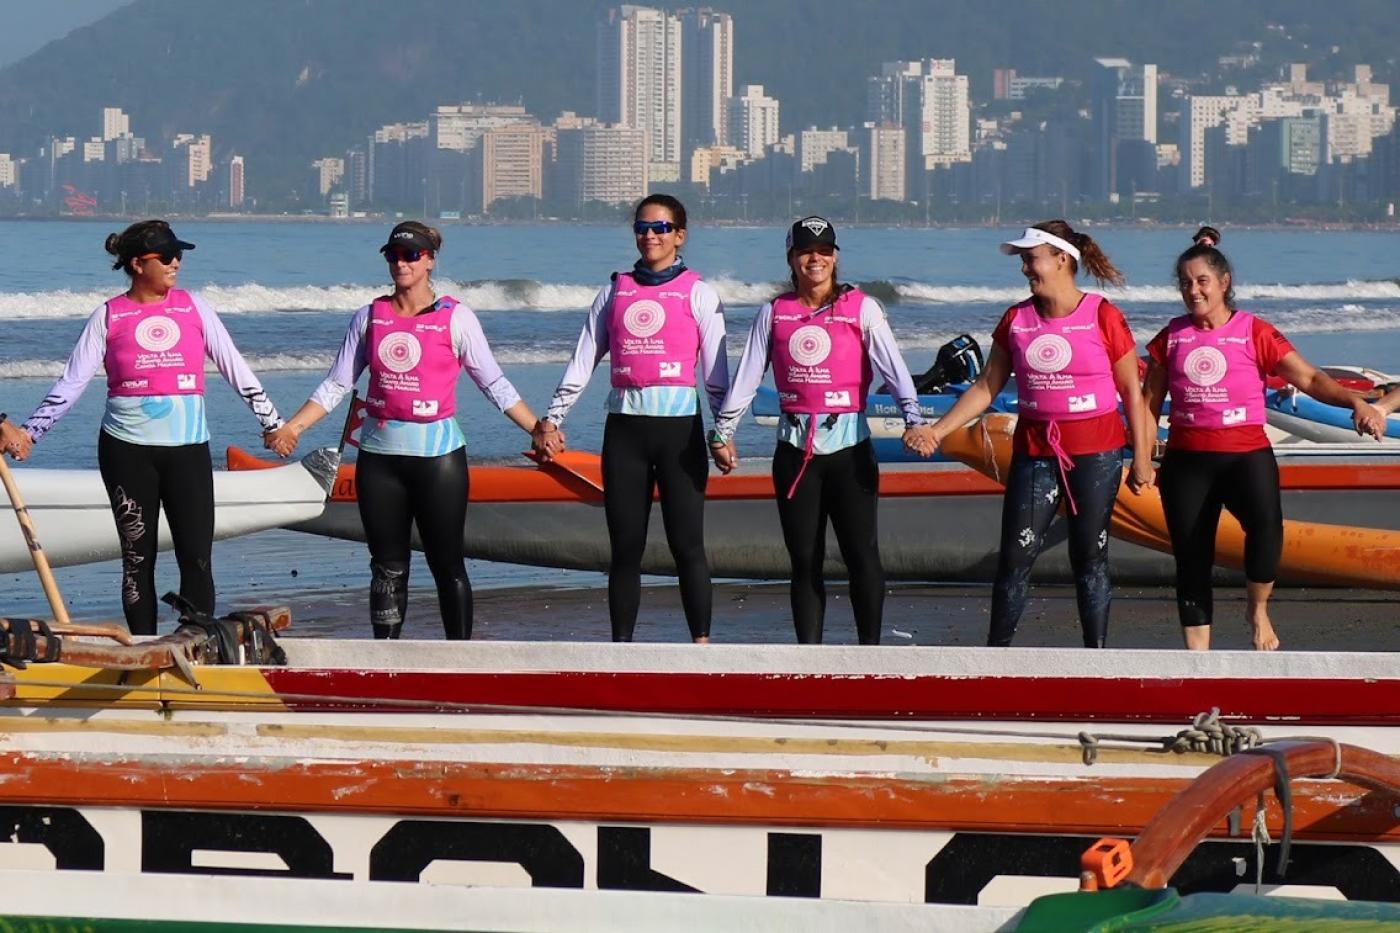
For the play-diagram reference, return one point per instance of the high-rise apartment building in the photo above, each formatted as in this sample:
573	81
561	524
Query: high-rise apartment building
602	163
326	174
814	145
512	163
707	76
236	193
1125	117
458	127
9	171
752	121
930	100
639	81
115	123
1236	112
882	162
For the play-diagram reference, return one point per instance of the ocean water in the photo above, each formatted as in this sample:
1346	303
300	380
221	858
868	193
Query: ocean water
286	291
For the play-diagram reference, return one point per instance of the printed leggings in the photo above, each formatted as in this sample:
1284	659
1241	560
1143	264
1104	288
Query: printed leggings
1033	492
140	479
396	491
845	487
1195	486
642	453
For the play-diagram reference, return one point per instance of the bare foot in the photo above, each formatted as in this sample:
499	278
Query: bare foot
1265	638
705	640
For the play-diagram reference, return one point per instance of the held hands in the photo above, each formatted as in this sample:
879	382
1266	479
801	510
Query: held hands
726	456
15	441
1368	419
921	439
547	440
283	440
1141	476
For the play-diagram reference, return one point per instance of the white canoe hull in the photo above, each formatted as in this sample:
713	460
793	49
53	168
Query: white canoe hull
73	516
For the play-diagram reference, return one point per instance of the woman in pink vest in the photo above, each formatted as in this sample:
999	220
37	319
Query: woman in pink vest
153	449
1213	361
1074	357
412	466
826	341
654	322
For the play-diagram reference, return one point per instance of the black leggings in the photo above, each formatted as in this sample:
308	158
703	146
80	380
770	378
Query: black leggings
140	479
1034	490
395	491
844	486
642	453
1195	486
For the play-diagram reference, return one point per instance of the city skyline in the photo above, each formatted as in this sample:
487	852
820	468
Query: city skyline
673	112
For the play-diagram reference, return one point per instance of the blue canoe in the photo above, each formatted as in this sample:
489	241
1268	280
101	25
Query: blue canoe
1307	418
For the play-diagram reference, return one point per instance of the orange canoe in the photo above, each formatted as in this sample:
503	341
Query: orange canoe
1313	552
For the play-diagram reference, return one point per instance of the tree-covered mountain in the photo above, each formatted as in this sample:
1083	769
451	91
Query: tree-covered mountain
286	81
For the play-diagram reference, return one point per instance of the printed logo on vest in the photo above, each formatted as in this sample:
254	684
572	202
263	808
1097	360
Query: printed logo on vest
1049	353
840	399
186	381
644	318
1205	366
1085	402
1233	416
809	345
670	370
157	334
425	407
400	352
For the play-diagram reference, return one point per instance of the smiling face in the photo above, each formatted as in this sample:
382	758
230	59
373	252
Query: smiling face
1045	268
814	268
1203	289
152	274
658	250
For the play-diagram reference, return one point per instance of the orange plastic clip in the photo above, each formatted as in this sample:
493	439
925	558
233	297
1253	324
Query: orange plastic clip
1106	863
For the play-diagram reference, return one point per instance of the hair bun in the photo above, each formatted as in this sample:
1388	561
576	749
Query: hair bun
113	243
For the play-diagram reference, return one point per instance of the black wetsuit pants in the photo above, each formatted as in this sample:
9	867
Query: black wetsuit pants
845	487
1034	490
1195	486
668	454
396	491
140	479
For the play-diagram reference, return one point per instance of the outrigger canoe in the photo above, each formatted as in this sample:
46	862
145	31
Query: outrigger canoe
894	776
74	516
937	521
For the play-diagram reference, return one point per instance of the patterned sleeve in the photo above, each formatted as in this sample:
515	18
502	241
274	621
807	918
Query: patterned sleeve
349	363
219	346
82	365
474	354
1270	346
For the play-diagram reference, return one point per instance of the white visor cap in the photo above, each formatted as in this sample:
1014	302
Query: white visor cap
1033	237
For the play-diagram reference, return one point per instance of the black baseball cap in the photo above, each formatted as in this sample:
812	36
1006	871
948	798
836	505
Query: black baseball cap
409	235
809	232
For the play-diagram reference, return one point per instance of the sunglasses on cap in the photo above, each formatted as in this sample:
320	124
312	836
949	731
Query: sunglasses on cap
404	255
643	227
166	257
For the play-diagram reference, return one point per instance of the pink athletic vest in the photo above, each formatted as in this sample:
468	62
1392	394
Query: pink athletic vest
155	349
652	336
819	361
412	365
1213	375
1062	368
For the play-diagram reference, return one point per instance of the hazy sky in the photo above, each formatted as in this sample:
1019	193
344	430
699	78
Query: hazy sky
30	24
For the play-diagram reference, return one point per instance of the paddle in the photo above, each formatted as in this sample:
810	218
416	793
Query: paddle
36	553
570	463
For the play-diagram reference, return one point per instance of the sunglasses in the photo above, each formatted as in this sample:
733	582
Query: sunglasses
404	255
166	257
643	227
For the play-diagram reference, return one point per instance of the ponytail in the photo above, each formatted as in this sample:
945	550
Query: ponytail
1096	262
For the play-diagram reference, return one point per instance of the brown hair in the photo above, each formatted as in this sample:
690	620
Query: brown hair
428	233
1218	264
127	245
1096	263
669	202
